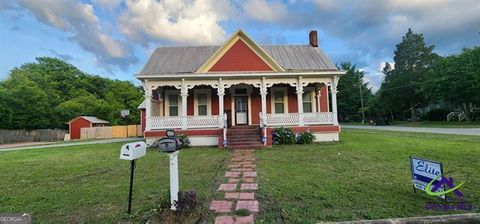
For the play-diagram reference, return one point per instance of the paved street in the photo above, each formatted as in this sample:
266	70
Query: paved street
103	141
453	131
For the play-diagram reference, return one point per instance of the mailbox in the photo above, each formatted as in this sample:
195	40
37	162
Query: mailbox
134	150
170	143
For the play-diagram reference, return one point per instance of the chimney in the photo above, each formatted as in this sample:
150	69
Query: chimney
313	38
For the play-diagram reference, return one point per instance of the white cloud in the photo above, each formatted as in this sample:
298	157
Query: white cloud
183	22
108	4
264	11
79	19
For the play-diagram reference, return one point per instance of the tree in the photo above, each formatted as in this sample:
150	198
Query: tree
49	92
26	103
353	92
456	79
404	86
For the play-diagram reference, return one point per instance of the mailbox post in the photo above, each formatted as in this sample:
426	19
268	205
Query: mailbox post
173	179
171	146
132	151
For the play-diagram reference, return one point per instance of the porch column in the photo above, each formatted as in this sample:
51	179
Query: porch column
318	93
184	94
148	109
300	101
221	108
263	94
334	100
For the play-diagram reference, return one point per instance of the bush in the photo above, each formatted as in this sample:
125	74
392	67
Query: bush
187	201
305	138
436	115
184	141
283	136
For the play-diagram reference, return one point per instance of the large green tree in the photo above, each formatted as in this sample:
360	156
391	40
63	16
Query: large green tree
49	92
353	92
456	79
403	85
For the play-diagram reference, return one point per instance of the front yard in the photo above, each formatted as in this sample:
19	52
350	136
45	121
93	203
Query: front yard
365	176
89	183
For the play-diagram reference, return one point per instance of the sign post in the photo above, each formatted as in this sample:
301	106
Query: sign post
425	171
132	151
125	115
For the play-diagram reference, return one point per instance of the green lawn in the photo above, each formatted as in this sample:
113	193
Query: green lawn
438	124
430	124
89	183
365	176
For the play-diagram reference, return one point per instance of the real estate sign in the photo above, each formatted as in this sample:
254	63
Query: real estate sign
425	171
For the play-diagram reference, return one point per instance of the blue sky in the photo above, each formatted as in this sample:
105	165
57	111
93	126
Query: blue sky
114	38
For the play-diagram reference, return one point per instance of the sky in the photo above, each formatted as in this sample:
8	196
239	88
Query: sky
114	38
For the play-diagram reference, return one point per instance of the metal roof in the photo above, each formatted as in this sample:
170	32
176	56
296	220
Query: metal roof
175	60
93	120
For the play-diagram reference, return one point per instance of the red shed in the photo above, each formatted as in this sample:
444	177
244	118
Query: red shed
77	123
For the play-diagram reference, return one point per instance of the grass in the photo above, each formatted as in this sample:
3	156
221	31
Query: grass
365	176
428	124
89	183
439	124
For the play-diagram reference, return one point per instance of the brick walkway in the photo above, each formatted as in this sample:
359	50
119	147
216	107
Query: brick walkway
239	190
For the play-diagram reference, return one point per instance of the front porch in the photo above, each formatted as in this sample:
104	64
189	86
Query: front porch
191	107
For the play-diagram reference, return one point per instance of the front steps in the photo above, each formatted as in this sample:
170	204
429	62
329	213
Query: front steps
244	137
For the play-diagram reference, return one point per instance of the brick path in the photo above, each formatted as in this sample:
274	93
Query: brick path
239	190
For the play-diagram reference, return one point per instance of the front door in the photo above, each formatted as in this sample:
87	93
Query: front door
241	110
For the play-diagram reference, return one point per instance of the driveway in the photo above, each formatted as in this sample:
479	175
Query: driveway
102	141
452	131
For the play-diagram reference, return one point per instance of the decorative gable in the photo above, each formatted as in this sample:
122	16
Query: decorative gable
239	53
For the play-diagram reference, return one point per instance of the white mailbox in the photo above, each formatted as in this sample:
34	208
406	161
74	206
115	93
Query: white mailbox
134	150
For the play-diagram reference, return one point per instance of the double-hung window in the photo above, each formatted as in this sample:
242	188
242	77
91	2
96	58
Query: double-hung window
307	102
173	105
279	101
202	104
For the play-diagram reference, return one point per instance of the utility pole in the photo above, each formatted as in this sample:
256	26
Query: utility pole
361	98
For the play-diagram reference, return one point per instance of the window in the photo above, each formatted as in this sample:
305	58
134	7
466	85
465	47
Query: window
173	104
279	103
202	104
307	102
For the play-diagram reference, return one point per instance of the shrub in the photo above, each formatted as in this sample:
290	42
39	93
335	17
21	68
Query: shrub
436	115
184	141
305	138
283	136
187	201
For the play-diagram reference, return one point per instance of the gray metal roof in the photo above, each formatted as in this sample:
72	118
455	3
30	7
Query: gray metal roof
174	60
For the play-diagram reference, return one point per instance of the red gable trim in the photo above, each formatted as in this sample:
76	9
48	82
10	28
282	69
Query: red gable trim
240	58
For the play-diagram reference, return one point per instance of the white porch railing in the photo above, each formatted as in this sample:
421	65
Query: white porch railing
188	122
295	119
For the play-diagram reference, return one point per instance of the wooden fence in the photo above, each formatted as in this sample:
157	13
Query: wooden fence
123	131
37	135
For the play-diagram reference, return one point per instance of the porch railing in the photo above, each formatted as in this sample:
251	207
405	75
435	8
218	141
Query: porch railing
187	122
295	119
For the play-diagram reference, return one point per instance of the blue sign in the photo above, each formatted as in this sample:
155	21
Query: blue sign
425	171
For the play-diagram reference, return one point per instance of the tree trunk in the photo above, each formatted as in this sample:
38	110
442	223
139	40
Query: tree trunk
467	110
413	113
